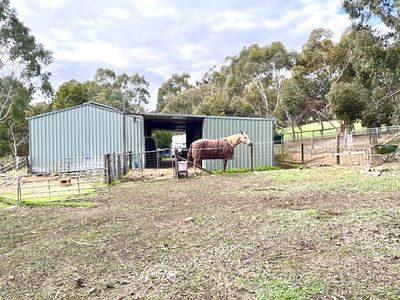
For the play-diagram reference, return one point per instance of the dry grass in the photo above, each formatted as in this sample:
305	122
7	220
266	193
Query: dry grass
318	233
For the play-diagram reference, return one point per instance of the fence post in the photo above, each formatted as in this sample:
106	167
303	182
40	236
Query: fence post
28	165
130	160
251	157
119	170
302	153
312	145
176	162
48	184
79	188
338	148
19	191
107	167
142	163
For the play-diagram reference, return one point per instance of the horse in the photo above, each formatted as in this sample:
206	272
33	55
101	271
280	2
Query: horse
216	149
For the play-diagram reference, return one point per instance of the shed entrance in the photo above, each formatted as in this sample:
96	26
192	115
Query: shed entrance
192	126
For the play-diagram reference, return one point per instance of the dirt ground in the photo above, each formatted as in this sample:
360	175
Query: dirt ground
311	233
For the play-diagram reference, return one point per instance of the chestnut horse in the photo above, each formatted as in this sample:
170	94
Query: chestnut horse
216	149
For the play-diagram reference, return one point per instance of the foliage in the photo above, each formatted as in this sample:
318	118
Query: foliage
124	92
171	88
163	138
70	93
348	101
365	12
22	60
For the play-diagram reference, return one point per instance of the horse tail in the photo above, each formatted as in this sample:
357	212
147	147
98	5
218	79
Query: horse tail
190	153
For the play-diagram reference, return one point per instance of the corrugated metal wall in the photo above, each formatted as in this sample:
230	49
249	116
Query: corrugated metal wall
85	132
260	133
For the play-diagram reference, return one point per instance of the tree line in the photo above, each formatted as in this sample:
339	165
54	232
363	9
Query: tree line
353	79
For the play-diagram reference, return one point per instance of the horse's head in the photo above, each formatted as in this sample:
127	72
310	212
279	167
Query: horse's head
244	138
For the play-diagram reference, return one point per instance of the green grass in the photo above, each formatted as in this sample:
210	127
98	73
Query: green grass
68	199
244	170
64	203
316	126
274	287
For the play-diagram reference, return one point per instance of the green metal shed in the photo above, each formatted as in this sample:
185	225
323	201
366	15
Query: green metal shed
260	131
77	138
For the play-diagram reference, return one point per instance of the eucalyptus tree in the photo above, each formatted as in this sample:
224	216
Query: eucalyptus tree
320	64
22	60
69	94
262	69
348	101
175	85
122	91
367	12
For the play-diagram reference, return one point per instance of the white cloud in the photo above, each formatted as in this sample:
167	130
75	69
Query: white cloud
231	19
325	16
117	13
62	34
191	51
292	15
155	9
52	4
93	52
23	9
162	70
143	53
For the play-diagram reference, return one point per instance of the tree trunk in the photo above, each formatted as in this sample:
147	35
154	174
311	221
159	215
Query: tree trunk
322	125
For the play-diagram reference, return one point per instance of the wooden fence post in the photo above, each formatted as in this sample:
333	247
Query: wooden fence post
176	162
302	153
107	167
119	169
251	157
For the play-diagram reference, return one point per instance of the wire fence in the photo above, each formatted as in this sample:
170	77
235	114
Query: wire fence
332	132
345	148
47	189
15	164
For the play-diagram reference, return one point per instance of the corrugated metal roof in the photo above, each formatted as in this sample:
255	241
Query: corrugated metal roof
178	116
89	103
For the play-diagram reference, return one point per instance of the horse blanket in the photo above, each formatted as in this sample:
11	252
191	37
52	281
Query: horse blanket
210	149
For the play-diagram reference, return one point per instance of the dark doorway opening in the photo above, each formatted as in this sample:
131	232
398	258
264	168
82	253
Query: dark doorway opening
192	126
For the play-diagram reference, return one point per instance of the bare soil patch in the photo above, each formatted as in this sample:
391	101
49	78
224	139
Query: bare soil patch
317	233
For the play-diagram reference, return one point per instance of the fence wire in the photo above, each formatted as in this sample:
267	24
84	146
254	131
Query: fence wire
45	188
351	148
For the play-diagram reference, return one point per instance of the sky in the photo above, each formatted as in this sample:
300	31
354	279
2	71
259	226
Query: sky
157	38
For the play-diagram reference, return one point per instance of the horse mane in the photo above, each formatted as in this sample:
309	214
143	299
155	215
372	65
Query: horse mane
234	139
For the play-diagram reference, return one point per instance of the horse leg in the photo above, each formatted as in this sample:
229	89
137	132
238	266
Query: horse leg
224	165
194	166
